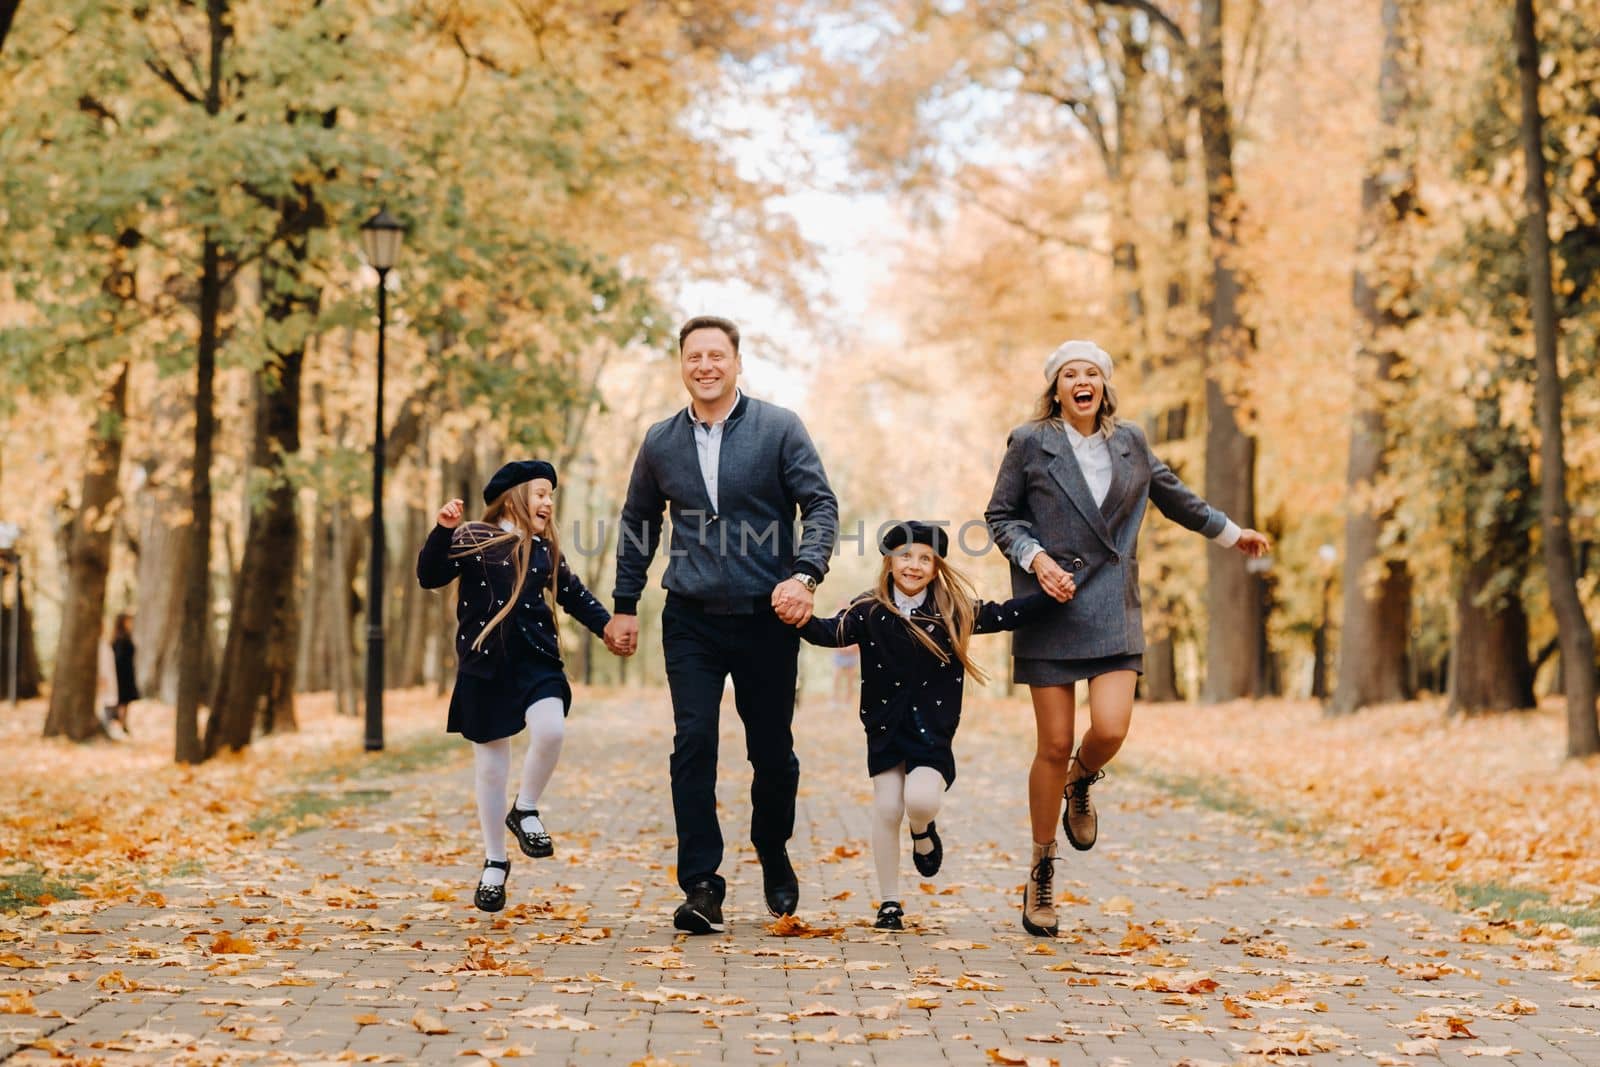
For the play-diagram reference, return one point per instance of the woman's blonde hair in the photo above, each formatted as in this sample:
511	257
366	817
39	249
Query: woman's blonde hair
957	601
1048	406
515	506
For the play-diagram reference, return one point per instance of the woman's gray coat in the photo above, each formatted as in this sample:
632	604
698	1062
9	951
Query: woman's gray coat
1040	495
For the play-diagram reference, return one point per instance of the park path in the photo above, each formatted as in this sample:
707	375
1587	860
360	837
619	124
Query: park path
1191	938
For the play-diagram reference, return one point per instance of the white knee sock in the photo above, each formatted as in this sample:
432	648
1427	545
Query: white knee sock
491	764
924	793
547	727
888	809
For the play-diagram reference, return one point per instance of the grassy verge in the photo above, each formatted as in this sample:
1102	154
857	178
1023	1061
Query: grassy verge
33	887
1215	795
1528	905
305	808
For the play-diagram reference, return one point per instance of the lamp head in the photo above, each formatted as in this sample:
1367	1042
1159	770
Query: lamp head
381	236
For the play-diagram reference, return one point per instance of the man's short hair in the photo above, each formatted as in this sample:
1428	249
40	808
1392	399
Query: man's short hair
709	322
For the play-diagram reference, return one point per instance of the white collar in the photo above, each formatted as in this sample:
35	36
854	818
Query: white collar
1077	438
738	395
510	527
905	605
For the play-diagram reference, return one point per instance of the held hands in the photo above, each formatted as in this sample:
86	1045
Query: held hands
450	515
1053	579
792	601
622	635
1253	543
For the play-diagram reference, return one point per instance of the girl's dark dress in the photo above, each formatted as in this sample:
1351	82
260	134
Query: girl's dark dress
520	661
910	701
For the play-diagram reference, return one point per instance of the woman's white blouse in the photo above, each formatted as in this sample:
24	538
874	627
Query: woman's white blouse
1094	459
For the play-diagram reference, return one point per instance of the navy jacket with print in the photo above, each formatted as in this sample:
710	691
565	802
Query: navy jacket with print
487	578
901	681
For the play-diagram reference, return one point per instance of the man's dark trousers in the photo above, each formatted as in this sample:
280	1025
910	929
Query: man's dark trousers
760	651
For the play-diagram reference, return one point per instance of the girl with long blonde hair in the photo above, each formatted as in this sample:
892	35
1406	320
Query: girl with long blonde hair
915	628
509	673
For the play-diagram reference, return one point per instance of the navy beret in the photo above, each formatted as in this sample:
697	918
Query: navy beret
515	473
914	533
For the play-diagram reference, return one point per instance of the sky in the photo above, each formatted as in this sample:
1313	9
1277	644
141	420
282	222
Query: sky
856	235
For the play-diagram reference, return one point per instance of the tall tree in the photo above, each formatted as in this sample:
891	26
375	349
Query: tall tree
1377	584
1489	666
8	12
1235	596
1561	575
193	659
73	708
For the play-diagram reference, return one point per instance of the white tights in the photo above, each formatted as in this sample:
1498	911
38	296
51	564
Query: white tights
492	770
897	795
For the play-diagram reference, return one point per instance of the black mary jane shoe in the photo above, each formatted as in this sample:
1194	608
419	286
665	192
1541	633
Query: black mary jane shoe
928	863
492	897
890	916
538	846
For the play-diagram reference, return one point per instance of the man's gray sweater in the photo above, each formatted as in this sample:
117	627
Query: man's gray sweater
768	472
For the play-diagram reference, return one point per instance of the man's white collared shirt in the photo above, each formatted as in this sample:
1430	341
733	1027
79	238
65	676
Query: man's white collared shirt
708	444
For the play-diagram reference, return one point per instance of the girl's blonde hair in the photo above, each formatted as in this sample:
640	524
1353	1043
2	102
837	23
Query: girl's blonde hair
515	505
957	601
1048	407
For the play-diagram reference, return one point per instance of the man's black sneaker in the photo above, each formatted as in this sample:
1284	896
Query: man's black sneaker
701	912
779	881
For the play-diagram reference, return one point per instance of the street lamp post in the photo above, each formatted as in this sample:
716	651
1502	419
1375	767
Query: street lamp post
380	238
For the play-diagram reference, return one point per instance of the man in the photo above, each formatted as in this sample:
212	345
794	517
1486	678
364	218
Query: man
734	472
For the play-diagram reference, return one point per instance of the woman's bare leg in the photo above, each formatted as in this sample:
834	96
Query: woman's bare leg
1053	709
1110	712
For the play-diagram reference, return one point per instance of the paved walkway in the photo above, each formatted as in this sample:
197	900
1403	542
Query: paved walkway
1188	940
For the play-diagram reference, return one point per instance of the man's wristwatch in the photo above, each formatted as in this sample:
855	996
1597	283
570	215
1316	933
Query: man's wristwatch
806	580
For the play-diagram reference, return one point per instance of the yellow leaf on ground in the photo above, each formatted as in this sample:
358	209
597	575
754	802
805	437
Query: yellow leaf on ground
428	1024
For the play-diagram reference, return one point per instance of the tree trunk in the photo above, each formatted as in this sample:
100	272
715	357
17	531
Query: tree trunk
1489	665
1561	573
164	552
1236	628
16	625
74	709
310	659
194	660
256	681
8	12
1377	592
193	657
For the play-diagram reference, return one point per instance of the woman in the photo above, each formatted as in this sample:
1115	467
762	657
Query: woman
1067	504
122	655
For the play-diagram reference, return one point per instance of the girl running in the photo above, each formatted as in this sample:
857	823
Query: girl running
913	629
509	674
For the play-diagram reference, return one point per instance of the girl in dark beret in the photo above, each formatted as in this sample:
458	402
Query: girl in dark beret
508	650
914	628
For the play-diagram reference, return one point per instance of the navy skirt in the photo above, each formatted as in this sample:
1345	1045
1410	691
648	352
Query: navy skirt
488	709
1025	671
905	747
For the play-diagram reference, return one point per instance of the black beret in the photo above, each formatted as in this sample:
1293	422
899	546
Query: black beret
914	533
515	473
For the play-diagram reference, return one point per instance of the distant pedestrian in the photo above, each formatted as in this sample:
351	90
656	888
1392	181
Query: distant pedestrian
846	673
913	629
509	672
127	685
